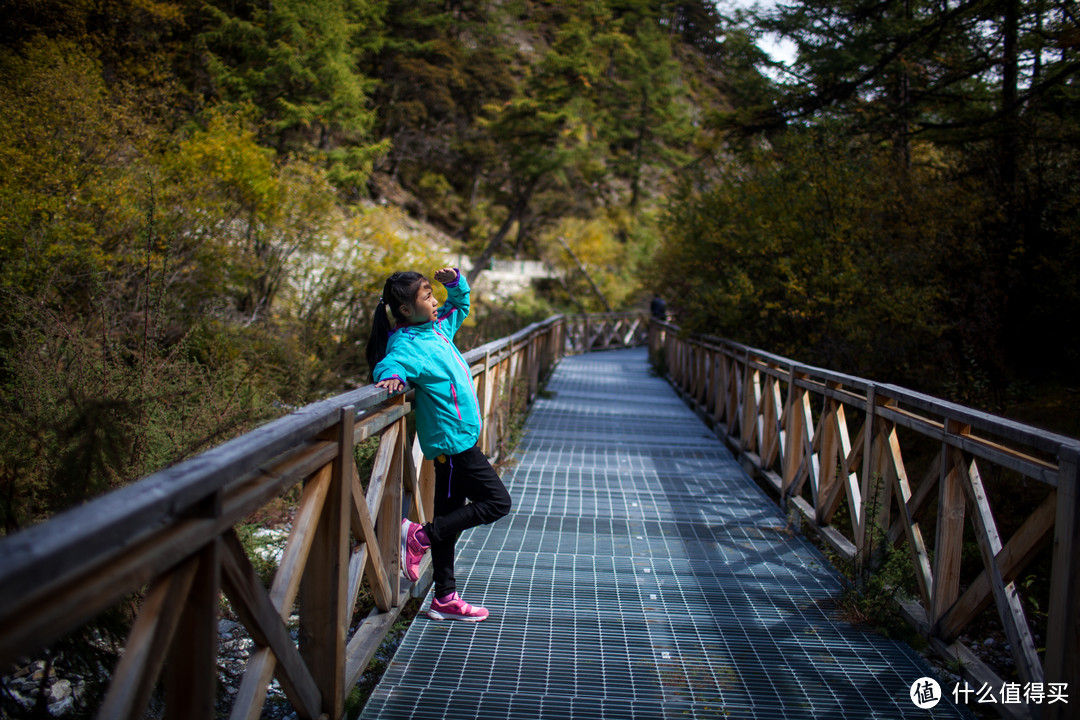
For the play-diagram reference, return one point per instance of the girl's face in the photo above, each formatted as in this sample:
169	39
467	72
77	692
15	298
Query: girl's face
425	307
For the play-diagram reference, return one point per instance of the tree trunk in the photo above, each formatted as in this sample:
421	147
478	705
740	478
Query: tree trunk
516	213
581	267
1009	79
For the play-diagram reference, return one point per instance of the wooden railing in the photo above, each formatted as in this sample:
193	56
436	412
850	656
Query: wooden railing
792	424
585	333
171	539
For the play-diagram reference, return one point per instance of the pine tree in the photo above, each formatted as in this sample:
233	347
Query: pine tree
296	61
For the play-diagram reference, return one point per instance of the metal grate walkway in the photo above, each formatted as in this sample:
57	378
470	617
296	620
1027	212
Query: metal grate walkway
641	574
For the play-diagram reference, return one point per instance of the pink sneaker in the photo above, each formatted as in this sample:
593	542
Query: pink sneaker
414	547
454	608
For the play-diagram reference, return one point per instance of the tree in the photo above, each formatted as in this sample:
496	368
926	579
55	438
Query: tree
296	61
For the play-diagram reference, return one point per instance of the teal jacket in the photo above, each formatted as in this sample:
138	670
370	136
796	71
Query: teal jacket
447	410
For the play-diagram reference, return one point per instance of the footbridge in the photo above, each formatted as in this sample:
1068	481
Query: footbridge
656	564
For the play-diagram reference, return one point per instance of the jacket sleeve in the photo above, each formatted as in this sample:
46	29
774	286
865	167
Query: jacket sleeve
456	309
399	363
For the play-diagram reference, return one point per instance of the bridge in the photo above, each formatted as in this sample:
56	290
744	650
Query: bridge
642	573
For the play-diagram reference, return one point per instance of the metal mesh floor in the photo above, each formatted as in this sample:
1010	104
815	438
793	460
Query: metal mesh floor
641	574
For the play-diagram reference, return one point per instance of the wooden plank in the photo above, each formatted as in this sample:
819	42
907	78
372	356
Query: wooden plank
136	674
286	583
365	641
870	424
796	434
263	621
324	608
247	705
368	426
414	460
1042	440
732	413
364	531
773	428
380	470
1063	625
388	523
1010	611
191	669
720	388
71	540
920	557
1018	552
826	388
1023	463
751	397
483	392
61	606
847	483
427	486
862	523
699	382
829	442
922	494
357	562
949	540
884	505
67	601
812	464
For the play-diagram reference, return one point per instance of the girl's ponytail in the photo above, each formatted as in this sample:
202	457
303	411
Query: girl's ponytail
400	289
380	334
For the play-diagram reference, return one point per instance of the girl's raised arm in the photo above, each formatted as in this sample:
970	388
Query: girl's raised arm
456	309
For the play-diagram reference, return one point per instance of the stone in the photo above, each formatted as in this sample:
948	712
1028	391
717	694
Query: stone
19	698
63	707
60	690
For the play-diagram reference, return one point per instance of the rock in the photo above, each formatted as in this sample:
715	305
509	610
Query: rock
61	690
63	707
226	627
19	698
988	642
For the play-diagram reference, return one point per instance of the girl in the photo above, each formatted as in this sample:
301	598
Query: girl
419	350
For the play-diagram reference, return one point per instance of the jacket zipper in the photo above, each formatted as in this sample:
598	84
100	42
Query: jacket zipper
453	392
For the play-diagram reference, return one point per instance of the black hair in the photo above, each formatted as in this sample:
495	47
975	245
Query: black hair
400	289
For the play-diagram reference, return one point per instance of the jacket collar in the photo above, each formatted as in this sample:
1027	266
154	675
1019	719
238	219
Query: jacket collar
413	326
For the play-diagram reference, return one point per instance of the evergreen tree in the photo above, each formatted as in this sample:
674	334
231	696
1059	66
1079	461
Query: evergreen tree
296	61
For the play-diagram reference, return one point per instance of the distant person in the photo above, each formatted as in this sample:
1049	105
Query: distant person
419	350
658	307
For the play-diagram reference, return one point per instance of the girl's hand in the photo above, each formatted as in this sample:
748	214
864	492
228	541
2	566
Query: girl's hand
446	274
392	384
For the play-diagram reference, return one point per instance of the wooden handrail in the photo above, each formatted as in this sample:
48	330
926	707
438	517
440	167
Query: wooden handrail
792	424
173	533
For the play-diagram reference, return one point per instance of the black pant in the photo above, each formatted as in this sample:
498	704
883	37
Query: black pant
465	476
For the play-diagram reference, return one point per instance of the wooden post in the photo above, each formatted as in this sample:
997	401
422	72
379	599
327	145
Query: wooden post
750	400
795	448
388	525
534	368
191	670
870	432
1062	660
324	607
950	533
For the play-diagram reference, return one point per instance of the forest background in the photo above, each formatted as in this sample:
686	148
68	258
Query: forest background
201	199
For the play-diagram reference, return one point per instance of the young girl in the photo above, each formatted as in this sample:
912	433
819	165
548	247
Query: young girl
419	350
